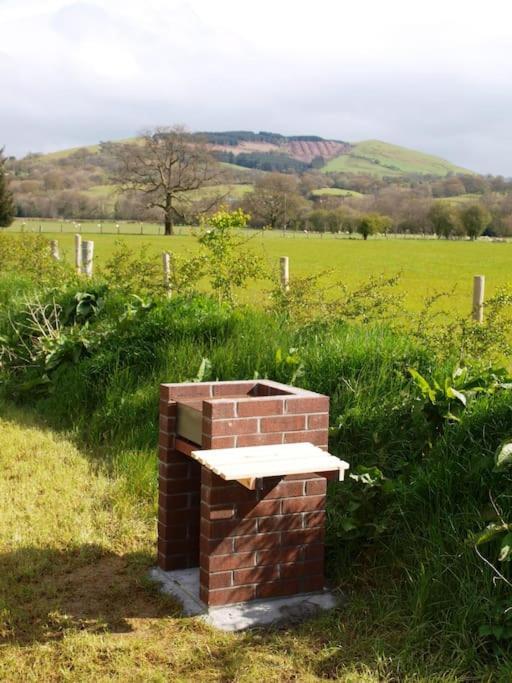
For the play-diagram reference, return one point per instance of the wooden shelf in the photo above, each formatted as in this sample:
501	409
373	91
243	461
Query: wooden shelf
252	464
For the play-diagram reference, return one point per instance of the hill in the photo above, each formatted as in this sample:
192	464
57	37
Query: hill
383	159
267	151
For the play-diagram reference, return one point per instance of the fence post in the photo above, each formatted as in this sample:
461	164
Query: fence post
54	250
284	263
87	257
78	253
166	258
478	298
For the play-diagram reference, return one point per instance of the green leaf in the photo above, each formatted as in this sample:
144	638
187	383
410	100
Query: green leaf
490	532
504	454
506	548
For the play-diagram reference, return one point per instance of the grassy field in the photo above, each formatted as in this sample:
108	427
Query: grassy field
382	159
76	603
426	266
335	192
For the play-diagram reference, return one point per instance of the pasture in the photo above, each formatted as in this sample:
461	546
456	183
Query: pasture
426	266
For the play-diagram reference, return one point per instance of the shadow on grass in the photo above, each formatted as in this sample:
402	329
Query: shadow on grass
45	593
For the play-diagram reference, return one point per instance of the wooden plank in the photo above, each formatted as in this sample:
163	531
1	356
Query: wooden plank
273	470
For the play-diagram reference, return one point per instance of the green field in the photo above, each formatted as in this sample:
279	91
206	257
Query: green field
382	159
426	265
335	192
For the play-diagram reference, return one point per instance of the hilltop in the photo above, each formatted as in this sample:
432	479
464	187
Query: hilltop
297	153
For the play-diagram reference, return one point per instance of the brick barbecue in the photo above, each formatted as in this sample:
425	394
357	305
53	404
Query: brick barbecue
249	544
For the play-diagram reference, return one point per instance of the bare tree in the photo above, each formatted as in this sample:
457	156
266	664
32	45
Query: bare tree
164	165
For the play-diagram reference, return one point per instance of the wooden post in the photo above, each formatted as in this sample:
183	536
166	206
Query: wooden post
87	257
284	263
166	258
78	253
54	250
478	298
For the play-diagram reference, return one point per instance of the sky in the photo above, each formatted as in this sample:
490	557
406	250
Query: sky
435	76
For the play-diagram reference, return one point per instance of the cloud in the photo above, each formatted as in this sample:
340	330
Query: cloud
434	76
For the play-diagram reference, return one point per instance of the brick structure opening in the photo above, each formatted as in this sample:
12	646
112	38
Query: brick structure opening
248	544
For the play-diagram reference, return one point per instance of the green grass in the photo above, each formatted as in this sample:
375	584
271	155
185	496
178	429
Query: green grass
383	159
335	192
426	266
75	602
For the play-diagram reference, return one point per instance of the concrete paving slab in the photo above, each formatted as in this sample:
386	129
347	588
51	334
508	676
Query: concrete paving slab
183	584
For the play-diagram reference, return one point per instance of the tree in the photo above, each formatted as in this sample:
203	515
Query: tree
475	219
7	210
442	219
165	165
275	202
371	223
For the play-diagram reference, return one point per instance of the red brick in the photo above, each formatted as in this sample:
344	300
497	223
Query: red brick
314	519
315	551
228	596
230	427
259	439
218	512
283	423
177	464
278	555
310	584
280	523
170	562
316	487
232	388
209	478
167	440
177	501
219	408
316	437
167	407
217	563
286	489
302	536
257	542
215	547
229	528
217	441
263	508
313	404
275	588
170	515
172	486
255	574
218	580
303	504
320	421
258	407
186	390
167	424
230	494
176	547
171	532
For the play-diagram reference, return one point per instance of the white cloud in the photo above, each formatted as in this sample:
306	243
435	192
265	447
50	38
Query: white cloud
432	75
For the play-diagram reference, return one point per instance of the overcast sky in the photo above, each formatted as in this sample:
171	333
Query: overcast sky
435	75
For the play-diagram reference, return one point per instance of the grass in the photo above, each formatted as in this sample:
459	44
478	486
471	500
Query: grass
426	266
383	159
75	601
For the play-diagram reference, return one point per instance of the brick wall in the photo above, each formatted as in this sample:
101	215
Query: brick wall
261	544
248	544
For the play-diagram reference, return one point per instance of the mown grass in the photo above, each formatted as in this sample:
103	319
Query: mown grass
425	266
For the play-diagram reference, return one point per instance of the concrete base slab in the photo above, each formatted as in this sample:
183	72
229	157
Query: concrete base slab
183	584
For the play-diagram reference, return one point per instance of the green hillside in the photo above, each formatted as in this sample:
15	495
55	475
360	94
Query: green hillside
383	159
